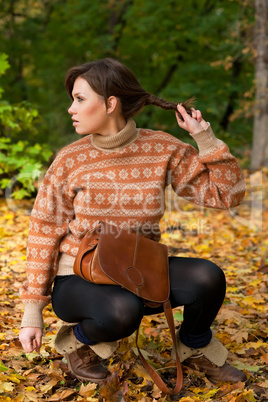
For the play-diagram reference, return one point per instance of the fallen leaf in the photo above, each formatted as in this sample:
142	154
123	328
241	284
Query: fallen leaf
48	387
87	390
6	387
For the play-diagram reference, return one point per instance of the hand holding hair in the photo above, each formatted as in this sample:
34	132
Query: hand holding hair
192	123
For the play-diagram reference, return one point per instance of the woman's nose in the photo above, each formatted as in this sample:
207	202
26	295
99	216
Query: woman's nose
71	109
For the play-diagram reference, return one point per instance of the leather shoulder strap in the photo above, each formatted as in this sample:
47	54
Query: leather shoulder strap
154	375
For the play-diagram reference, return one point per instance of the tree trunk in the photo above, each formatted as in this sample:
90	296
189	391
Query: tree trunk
260	134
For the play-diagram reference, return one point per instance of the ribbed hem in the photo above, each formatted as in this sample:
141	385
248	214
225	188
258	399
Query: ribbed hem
32	316
116	141
206	141
66	263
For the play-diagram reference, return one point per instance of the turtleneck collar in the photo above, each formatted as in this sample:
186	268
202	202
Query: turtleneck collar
118	140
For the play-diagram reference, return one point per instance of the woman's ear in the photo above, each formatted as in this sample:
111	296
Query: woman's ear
112	102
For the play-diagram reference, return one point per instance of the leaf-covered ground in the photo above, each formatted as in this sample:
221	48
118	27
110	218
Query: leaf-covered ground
237	242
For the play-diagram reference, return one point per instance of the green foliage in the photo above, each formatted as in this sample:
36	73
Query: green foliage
3	67
15	119
21	166
21	163
3	63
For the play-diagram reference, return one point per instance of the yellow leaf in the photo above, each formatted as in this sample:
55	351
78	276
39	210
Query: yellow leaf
6	387
256	345
207	395
8	216
15	378
3	367
29	389
231	289
47	387
255	282
246	396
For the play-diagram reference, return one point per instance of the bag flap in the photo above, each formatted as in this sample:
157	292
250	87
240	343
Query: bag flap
134	262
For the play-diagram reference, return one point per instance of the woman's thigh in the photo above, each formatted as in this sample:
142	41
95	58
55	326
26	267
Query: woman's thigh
194	281
191	278
75	299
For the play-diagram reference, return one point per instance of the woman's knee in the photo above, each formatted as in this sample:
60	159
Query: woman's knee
119	320
210	275
127	309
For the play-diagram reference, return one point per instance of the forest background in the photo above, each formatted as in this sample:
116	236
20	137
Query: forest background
215	50
207	49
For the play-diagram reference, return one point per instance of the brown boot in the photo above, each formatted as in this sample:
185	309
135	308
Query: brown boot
82	361
215	373
86	365
211	360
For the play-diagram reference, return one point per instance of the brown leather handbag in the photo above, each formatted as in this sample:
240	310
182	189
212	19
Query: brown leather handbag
113	256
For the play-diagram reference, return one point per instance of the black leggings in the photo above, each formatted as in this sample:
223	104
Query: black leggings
108	313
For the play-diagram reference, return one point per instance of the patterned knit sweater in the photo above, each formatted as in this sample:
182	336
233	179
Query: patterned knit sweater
120	179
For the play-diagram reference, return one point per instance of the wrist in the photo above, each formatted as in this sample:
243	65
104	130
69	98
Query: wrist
202	127
206	141
32	317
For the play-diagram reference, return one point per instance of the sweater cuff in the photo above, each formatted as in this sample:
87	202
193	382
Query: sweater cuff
206	140
32	316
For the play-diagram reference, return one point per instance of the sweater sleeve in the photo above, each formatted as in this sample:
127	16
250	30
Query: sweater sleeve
212	177
52	211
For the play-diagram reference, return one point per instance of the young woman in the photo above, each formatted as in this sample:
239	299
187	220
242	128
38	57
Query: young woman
118	173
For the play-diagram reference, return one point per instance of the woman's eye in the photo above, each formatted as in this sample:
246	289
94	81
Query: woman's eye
79	99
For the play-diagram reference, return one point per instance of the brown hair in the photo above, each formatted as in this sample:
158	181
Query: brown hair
108	77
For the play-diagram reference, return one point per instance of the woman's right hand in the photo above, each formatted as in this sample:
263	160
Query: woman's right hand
31	338
193	124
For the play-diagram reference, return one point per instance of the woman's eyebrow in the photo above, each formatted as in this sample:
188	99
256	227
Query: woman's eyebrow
78	93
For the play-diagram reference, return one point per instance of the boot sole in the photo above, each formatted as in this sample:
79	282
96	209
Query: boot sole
83	379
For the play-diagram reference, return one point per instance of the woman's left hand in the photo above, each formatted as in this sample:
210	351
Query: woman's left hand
192	124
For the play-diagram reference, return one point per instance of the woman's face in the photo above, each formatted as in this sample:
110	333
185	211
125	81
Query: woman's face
88	110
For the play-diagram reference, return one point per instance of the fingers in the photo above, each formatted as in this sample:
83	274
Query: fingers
182	111
31	345
28	346
180	121
38	341
35	346
197	115
193	124
31	339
